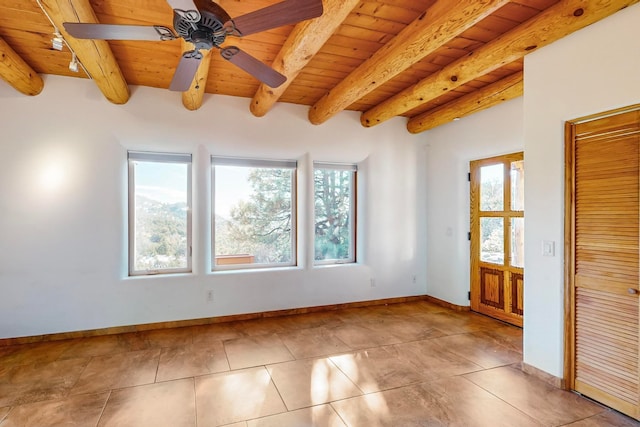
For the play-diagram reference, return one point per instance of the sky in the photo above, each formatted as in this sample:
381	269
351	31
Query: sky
167	183
163	182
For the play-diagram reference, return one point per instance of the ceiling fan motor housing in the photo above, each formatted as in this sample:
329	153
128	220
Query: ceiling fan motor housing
209	31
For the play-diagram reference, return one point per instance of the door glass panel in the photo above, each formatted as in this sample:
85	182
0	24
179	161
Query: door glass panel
517	185
517	242
492	240
492	188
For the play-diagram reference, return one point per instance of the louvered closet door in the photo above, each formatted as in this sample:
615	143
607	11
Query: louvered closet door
606	260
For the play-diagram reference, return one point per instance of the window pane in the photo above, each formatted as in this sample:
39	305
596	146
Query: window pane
254	215
517	185
492	188
517	242
161	219
334	215
492	240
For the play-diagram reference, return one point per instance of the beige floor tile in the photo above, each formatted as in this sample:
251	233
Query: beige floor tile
406	328
378	369
76	411
451	322
118	370
37	382
312	342
317	416
446	402
419	307
506	335
606	419
311	320
192	360
236	396
28	354
264	326
550	405
216	332
351	315
480	349
434	361
311	382
256	351
430	363
4	412
163	338
359	336
170	404
103	345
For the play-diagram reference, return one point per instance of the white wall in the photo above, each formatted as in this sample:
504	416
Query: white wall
63	245
449	149
593	70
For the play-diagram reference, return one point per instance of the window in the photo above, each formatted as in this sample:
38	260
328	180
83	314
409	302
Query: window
254	205
335	213
159	213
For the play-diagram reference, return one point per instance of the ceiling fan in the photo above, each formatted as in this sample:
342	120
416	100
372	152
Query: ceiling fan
207	25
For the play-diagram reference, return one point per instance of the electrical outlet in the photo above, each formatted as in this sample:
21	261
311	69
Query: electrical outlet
373	283
209	296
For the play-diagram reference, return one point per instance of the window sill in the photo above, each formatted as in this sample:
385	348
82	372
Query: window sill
225	271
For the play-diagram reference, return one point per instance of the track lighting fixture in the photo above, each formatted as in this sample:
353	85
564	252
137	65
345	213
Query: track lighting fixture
73	65
57	42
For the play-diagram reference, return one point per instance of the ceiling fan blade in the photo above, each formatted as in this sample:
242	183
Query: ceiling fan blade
81	30
253	66
277	15
186	8
186	71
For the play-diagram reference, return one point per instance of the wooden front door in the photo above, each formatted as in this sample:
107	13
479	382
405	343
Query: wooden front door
603	173
497	237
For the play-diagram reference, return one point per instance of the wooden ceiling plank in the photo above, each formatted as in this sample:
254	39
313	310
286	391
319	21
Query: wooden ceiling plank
557	21
303	43
192	98
503	90
15	71
428	32
393	12
95	55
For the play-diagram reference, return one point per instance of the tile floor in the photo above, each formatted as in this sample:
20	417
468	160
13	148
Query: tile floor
411	364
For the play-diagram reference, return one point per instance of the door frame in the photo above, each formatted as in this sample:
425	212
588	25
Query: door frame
568	382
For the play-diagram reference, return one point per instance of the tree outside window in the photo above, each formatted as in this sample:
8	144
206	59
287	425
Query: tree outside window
254	206
334	208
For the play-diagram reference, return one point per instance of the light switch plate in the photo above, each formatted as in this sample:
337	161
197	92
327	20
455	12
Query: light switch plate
548	248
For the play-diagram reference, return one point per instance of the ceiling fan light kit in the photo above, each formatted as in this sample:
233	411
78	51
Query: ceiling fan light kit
206	25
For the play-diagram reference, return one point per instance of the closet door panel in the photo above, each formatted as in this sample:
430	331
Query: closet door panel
606	261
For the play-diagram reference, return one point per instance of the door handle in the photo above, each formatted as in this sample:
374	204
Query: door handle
632	291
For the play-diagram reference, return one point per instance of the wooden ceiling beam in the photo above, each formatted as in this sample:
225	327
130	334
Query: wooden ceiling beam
95	55
15	71
303	43
439	24
503	90
557	21
192	98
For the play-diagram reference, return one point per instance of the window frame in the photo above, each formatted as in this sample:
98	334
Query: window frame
249	162
144	156
353	168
